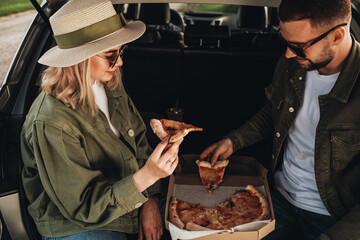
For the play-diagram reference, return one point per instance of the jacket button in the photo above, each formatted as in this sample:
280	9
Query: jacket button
291	109
277	134
300	78
138	205
131	133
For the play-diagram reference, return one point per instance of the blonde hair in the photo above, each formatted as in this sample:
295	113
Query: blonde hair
72	85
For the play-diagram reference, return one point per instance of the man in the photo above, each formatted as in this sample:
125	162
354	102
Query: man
312	110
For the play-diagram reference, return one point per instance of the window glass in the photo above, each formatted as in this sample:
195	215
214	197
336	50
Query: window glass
194	7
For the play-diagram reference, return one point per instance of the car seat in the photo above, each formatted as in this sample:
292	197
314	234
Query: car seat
158	16
250	21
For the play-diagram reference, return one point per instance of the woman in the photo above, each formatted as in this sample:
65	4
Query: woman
88	167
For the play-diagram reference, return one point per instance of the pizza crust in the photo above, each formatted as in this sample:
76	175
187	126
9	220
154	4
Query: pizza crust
174	217
264	203
195	227
158	129
218	164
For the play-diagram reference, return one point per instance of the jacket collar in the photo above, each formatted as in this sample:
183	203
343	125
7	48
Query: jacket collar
348	75
115	93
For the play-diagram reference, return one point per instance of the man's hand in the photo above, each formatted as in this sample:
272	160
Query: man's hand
150	220
219	150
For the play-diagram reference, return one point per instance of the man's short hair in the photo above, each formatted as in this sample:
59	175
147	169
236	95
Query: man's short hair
320	12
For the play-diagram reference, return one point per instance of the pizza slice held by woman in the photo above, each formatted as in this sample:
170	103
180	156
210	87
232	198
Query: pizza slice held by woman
168	128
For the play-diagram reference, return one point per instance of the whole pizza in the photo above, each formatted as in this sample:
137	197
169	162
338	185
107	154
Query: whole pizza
244	206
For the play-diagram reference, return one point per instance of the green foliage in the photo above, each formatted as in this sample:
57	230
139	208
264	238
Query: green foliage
14	6
217	8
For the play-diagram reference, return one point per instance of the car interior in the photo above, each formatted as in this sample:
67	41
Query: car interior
216	73
214	66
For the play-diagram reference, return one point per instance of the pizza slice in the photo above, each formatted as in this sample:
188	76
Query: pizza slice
193	217
211	176
247	205
176	130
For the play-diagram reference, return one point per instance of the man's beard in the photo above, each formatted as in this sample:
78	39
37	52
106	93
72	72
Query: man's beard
316	66
326	57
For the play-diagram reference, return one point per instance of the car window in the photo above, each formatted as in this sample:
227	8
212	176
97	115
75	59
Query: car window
221	8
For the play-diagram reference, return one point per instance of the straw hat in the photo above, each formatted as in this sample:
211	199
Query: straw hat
83	28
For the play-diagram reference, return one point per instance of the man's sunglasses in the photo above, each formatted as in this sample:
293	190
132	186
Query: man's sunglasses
299	51
115	56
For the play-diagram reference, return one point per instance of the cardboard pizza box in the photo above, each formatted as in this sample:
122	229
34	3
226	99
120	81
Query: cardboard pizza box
240	172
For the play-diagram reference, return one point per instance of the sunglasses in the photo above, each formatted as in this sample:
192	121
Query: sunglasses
299	51
112	59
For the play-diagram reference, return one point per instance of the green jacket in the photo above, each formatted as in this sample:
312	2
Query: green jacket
337	141
77	174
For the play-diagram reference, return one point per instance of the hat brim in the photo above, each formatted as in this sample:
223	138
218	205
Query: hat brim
57	57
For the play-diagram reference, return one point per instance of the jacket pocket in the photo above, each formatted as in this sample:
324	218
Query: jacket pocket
345	145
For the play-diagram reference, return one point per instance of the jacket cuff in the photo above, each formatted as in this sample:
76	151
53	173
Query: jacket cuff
128	195
324	236
155	189
236	140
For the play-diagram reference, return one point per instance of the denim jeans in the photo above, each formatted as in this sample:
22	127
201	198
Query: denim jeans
93	235
296	223
112	235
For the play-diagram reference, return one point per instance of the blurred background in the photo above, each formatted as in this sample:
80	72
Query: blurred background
15	17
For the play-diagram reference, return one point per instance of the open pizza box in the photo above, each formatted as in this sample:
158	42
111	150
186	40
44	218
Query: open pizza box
186	185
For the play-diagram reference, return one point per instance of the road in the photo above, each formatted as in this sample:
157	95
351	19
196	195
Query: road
12	30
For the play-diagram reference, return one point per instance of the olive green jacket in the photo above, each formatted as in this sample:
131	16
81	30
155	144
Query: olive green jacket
77	173
337	141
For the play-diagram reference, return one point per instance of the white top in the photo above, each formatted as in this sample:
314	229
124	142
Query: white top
296	178
102	102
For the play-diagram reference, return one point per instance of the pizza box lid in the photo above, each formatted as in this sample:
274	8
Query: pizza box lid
241	171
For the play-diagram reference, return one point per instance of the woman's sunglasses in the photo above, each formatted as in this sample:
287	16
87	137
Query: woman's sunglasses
115	56
299	51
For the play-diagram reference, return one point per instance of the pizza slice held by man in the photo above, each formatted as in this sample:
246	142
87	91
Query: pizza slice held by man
211	176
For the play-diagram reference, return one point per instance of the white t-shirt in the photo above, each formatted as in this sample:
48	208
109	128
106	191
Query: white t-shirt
295	180
102	102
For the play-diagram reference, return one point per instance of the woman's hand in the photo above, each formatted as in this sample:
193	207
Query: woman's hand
219	150
161	163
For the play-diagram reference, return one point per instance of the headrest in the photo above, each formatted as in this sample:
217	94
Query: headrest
207	36
151	36
155	13
269	41
130	11
252	17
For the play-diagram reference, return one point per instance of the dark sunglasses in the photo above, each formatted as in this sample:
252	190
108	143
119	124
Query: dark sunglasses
299	51
115	56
